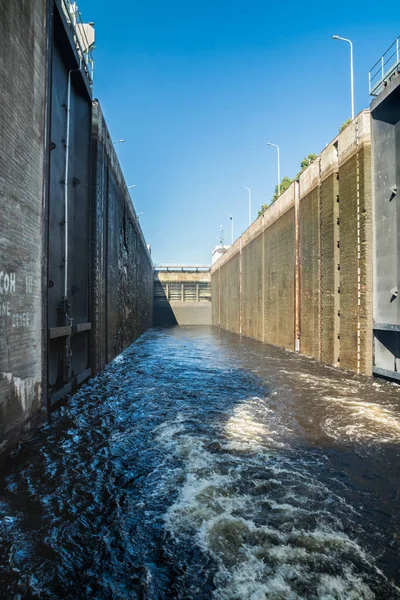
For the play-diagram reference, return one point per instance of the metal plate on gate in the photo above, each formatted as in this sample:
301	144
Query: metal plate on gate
69	225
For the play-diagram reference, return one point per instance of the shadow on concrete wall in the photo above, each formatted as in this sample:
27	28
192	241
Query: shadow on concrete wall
162	309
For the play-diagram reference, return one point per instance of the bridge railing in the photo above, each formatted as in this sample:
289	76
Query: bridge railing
182	291
384	68
187	268
83	34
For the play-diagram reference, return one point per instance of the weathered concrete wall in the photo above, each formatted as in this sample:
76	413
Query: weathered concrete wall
301	276
216	299
109	281
310	251
121	264
279	269
330	252
230	294
252	288
253	283
349	310
183	313
182	296
23	35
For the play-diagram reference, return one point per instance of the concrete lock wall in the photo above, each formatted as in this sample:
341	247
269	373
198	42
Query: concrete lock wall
23	40
109	284
252	284
122	266
300	277
182	296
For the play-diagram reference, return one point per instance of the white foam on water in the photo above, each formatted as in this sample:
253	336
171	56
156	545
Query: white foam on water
267	544
331	588
165	432
273	573
119	359
348	386
242	426
253	425
352	419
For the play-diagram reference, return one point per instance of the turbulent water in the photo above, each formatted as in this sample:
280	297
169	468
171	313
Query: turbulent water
204	466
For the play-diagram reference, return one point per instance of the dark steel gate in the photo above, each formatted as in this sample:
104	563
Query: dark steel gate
68	300
385	112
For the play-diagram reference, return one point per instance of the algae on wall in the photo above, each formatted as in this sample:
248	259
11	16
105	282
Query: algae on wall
320	278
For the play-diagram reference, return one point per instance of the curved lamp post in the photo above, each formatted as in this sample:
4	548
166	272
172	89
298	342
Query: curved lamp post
337	37
249	192
279	166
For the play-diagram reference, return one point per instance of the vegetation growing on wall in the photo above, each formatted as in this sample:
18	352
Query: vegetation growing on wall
286	182
306	162
344	125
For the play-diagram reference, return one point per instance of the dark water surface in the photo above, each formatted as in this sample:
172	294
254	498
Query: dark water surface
204	466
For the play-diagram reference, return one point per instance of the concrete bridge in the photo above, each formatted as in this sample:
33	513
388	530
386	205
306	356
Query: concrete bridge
182	295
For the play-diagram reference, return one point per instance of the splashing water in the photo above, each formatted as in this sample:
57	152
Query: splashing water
201	465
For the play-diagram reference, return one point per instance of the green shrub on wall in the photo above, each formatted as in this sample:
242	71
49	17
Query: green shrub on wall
286	182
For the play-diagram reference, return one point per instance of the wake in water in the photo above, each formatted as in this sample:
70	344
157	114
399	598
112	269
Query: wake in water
271	529
180	474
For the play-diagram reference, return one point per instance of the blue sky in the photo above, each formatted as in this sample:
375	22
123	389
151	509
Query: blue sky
196	89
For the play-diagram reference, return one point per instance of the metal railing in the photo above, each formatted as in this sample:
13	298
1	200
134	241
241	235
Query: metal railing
80	34
182	291
182	268
384	68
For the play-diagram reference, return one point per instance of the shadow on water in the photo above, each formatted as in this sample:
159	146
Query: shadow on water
204	465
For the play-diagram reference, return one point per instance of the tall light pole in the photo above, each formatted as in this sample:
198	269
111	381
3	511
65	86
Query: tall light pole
221	235
337	37
231	218
279	166
249	192
118	141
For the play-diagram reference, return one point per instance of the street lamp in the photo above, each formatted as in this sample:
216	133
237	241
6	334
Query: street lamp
131	186
231	218
279	166
337	37
221	235
249	192
138	214
118	141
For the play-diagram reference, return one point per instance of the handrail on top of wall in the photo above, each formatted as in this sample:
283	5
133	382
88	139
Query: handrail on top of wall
384	68
79	29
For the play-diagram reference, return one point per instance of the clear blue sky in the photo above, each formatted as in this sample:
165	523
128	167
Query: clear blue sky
197	88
